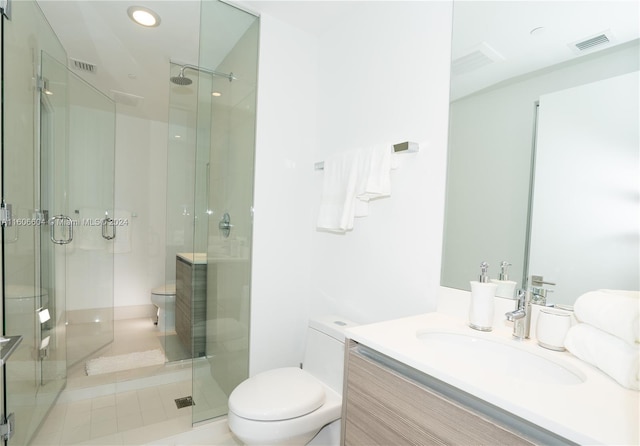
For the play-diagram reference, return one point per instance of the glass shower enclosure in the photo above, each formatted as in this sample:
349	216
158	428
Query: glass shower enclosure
57	158
209	203
58	176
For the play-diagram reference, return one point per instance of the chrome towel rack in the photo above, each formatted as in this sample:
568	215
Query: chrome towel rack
403	147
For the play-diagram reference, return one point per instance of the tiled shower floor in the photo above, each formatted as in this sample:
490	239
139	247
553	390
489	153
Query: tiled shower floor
134	407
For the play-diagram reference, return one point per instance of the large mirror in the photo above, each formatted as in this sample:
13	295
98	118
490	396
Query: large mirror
507	191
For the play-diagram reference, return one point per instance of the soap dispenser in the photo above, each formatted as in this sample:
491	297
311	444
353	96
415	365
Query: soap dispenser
506	287
483	292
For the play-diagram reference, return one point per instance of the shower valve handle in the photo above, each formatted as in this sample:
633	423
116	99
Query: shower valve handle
225	225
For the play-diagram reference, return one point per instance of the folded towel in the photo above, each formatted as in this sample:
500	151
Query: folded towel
615	357
615	311
337	206
374	177
376	173
351	180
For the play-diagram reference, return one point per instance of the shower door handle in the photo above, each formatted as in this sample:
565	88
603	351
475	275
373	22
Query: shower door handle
105	230
66	221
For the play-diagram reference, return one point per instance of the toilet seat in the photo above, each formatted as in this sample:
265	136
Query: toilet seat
278	394
164	290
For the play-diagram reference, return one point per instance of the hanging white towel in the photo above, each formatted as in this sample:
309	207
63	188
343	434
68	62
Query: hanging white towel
337	206
351	180
374	180
376	173
614	311
615	357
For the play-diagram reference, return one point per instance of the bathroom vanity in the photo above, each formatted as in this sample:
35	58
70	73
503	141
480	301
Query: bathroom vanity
432	379
389	403
191	301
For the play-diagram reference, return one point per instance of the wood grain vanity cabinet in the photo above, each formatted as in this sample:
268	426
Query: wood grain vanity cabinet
389	403
191	305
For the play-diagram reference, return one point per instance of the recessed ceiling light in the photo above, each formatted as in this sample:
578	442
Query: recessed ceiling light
143	16
216	94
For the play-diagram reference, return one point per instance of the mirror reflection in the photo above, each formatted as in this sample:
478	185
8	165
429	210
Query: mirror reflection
509	58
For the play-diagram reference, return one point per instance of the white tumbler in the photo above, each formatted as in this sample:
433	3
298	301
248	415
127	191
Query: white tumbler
552	328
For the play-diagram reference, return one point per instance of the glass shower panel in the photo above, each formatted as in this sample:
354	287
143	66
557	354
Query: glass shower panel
224	200
90	324
53	165
180	207
35	374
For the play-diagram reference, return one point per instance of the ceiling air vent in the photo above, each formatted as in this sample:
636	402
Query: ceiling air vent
592	42
121	97
477	57
83	66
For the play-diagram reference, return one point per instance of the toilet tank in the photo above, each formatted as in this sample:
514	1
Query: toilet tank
324	352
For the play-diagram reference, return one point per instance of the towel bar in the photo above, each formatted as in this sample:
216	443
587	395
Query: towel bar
406	147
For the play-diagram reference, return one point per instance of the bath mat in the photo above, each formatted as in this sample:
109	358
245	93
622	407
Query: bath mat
108	364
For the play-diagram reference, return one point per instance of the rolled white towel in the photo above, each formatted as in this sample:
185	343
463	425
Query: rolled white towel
615	311
615	357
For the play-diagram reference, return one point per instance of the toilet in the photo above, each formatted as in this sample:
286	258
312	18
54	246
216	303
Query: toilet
164	297
289	406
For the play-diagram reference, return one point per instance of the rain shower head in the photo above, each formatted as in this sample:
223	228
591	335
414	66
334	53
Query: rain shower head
180	79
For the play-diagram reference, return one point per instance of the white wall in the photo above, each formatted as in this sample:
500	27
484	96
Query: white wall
285	142
382	79
380	75
140	188
89	190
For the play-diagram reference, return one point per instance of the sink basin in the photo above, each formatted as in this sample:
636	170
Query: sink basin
501	358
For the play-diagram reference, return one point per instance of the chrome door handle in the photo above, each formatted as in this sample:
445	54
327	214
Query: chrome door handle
69	224
105	231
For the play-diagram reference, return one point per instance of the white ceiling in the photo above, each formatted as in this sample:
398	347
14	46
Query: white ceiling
130	58
135	60
506	27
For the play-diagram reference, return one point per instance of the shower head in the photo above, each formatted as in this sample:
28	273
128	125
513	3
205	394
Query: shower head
180	79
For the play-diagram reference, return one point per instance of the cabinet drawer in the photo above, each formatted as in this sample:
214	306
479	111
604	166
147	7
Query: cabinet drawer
383	407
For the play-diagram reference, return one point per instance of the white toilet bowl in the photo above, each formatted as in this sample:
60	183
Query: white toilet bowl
289	406
164	297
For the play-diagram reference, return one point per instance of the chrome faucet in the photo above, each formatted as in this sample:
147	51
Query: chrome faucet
521	316
538	292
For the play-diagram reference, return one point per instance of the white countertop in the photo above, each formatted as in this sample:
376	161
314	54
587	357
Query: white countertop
596	411
195	258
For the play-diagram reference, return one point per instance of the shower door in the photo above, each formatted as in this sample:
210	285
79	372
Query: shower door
57	152
90	268
209	201
223	202
76	167
34	88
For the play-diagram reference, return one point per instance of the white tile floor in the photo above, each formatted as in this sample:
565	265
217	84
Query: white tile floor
131	408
